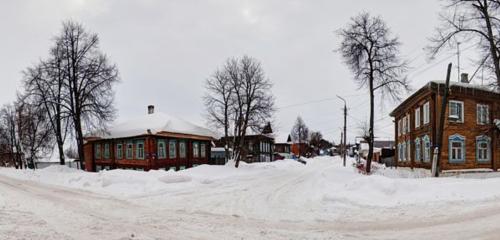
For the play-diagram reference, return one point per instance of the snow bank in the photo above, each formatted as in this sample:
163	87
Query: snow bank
286	189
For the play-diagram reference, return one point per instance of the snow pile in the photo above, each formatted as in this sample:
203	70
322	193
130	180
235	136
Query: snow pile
321	189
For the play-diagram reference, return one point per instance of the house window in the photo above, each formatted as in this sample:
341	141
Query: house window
203	151
408	126
106	151
483	153
426	110
456	111
162	151
97	151
400	155
403	152
196	151
404	124
399	127
172	153
418	156
182	149
408	150
483	115
139	150
130	151
427	148
119	151
456	148
417	117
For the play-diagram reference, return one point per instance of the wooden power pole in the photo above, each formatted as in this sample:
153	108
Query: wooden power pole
344	152
439	141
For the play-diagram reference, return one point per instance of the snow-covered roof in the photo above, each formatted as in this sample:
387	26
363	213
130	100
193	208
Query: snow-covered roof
156	123
467	85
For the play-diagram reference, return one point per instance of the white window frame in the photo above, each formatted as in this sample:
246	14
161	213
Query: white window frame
483	114
399	127
139	149
119	151
408	124
459	118
203	151
426	110
456	138
487	140
408	150
418	148
106	153
427	148
172	149
182	149
417	117
162	149
196	150
129	154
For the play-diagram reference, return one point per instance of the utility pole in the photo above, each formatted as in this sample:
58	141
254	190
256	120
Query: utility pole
458	61
439	142
345	128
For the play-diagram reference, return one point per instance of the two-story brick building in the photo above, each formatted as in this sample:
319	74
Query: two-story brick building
470	139
152	141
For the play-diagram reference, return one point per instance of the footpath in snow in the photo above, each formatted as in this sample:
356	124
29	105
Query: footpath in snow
283	190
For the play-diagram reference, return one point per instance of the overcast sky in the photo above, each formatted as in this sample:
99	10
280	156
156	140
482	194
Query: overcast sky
165	50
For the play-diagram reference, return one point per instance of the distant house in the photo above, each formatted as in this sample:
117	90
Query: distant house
152	141
383	151
256	147
284	147
470	139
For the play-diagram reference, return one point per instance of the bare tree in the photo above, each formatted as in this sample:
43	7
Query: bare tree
45	83
253	101
34	131
475	21
9	133
239	97
371	53
315	139
88	80
218	102
300	133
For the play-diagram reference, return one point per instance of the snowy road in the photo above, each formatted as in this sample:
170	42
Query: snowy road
34	210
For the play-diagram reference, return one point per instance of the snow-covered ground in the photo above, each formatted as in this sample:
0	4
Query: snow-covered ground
279	200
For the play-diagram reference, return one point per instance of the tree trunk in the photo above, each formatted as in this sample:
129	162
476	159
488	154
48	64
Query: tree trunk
370	142
491	40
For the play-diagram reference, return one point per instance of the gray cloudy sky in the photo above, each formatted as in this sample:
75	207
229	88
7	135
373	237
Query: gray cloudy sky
165	49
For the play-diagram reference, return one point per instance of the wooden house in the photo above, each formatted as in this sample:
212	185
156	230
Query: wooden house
284	147
256	147
152	141
470	139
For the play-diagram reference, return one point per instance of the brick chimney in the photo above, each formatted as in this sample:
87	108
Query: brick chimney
151	109
464	78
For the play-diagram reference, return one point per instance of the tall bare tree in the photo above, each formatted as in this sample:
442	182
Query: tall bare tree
34	129
300	133
474	21
45	83
371	53
254	102
88	79
239	97
218	102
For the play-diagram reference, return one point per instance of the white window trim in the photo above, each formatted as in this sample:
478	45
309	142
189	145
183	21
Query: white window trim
426	109
461	103
139	152
427	149
456	138
417	117
479	139
418	148
479	113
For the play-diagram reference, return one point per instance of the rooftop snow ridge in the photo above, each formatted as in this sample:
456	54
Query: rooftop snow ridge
155	123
